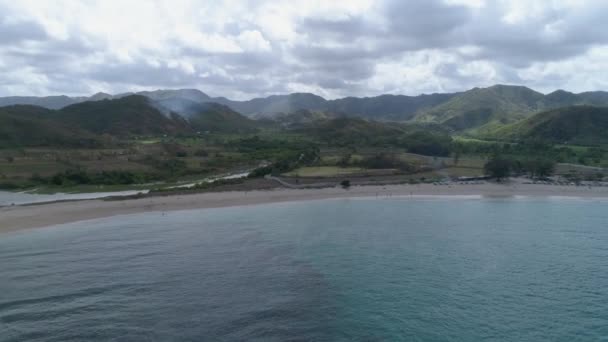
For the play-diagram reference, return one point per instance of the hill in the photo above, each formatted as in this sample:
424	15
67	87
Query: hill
83	124
302	118
383	107
275	104
582	125
350	129
415	138
387	107
130	115
481	106
49	102
207	116
476	110
214	117
188	94
24	125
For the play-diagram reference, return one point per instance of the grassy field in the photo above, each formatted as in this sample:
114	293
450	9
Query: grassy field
173	159
322	171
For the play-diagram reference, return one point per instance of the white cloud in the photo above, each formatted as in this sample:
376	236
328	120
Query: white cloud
252	40
242	49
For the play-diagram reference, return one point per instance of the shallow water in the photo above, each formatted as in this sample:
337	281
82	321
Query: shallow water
332	270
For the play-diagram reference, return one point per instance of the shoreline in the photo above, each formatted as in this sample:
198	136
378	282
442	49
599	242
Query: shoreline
21	217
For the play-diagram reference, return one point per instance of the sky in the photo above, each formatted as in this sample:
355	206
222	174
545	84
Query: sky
244	49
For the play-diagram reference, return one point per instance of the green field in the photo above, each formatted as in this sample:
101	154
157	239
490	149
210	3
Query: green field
322	171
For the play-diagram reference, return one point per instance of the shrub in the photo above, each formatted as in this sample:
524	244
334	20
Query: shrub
498	168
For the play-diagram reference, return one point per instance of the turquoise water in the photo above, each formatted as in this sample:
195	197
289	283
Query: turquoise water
334	270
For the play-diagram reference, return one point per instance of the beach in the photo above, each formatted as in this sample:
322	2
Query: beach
19	217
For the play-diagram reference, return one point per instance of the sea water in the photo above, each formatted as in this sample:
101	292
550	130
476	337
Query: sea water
442	269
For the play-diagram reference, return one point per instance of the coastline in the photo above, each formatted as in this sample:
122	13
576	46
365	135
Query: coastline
20	217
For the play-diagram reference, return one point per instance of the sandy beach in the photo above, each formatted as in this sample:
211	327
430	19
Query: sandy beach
35	216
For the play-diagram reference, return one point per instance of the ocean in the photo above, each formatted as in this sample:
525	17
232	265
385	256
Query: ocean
391	269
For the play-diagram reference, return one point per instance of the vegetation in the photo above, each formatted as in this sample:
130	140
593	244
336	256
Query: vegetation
184	134
500	167
385	161
127	116
213	117
201	186
80	177
323	171
22	126
579	125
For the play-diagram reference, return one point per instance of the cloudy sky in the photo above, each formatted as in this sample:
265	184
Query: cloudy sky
243	49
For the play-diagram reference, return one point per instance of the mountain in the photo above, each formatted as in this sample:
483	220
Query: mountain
207	116
594	98
350	130
275	104
130	115
102	96
302	118
383	107
561	98
50	102
483	110
584	125
61	101
25	125
214	117
387	107
475	110
189	94
481	106
84	124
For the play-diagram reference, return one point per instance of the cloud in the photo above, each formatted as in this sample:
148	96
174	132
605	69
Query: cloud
15	29
14	32
242	49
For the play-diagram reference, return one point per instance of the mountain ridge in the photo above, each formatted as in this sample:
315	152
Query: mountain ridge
461	111
585	125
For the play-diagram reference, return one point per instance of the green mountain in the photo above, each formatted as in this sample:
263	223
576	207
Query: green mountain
207	116
351	127
189	94
302	118
383	107
584	125
130	115
387	107
480	111
49	102
482	106
275	104
84	124
214	117
23	125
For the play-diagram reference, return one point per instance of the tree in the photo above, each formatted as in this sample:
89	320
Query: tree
344	161
345	184
456	157
544	168
498	167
